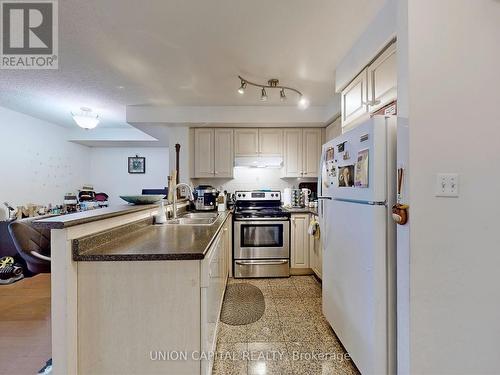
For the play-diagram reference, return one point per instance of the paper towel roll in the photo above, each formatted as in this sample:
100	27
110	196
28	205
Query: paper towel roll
287	197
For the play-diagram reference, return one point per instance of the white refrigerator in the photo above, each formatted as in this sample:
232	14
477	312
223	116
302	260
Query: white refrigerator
357	190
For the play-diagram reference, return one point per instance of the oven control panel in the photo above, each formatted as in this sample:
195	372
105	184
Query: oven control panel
258	195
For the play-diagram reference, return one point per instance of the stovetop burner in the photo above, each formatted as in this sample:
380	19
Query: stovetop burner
259	204
261	212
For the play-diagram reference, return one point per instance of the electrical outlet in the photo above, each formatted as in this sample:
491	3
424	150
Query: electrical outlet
447	185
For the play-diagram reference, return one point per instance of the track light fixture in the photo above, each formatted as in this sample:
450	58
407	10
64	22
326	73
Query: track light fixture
263	95
273	83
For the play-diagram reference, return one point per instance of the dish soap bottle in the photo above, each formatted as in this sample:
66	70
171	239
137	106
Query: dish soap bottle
161	217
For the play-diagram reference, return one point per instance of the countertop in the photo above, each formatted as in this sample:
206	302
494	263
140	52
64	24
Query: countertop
301	210
142	241
78	218
70	220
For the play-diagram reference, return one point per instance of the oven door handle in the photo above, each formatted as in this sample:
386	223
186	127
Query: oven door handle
260	263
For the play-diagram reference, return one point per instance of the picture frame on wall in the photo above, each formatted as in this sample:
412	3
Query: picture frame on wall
136	165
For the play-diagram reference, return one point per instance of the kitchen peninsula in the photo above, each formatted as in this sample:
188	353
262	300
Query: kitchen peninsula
124	288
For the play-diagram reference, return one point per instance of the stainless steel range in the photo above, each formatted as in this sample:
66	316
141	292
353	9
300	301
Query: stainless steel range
261	235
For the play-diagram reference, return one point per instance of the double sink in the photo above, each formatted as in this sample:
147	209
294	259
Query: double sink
195	218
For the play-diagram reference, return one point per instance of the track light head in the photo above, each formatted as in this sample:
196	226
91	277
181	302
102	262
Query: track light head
282	95
242	88
303	102
263	96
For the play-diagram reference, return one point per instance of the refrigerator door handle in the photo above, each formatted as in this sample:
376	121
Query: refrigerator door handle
329	198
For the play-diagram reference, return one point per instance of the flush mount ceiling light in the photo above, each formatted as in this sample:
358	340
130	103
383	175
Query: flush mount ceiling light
302	103
85	118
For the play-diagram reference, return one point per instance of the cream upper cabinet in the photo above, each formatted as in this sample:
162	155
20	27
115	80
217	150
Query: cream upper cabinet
299	241
204	163
224	155
302	151
372	89
311	151
292	153
270	142
382	79
213	153
354	99
246	142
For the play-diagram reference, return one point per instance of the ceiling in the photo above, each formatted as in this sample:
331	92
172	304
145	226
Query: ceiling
115	53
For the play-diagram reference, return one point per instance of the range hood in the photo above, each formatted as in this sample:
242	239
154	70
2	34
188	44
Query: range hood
258	161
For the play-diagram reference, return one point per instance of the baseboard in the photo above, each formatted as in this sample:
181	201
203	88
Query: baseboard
301	271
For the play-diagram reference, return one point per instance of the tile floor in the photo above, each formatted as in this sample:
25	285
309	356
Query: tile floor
292	337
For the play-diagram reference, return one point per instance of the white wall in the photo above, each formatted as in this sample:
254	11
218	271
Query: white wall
38	164
377	35
252	179
109	170
454	126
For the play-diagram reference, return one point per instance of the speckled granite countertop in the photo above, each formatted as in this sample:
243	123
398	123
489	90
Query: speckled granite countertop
299	210
78	218
142	241
70	220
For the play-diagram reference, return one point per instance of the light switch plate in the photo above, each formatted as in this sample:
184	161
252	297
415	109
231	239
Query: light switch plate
447	185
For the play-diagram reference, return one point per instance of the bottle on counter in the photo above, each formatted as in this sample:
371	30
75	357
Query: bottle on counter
161	217
222	202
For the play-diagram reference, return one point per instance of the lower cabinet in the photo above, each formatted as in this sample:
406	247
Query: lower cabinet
131	313
299	241
306	250
316	253
214	273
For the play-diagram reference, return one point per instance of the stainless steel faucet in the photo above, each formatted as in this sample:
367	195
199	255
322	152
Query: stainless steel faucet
190	196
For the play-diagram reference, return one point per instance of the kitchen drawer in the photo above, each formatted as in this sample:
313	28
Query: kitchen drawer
262	268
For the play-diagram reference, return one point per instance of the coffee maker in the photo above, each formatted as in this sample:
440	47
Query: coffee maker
205	198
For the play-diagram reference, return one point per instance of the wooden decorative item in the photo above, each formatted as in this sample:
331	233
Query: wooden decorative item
177	167
399	210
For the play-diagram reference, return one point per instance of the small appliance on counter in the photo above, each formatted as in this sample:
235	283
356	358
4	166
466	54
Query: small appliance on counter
205	198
